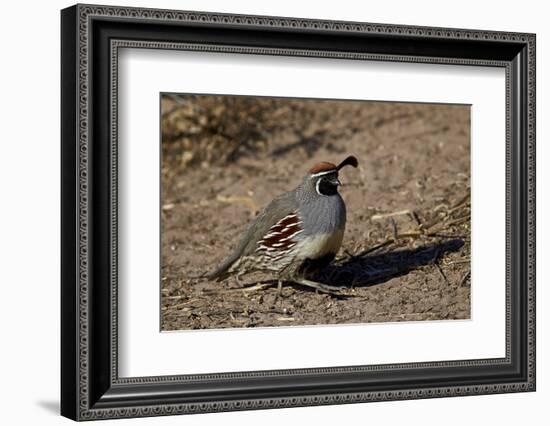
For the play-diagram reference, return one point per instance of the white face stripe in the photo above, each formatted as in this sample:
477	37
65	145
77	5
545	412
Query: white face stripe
326	172
317	187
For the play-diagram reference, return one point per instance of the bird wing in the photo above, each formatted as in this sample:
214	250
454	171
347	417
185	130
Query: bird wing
261	229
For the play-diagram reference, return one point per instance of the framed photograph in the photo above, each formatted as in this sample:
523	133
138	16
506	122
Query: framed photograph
263	212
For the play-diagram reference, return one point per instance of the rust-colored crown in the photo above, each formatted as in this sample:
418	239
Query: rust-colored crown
325	166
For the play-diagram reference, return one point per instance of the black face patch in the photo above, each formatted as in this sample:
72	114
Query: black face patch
327	185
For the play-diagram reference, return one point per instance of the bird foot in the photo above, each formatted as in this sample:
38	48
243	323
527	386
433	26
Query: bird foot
323	288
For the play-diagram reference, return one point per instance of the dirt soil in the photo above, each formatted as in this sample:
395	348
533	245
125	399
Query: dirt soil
406	249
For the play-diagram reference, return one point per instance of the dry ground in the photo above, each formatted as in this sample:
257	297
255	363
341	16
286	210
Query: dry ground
406	250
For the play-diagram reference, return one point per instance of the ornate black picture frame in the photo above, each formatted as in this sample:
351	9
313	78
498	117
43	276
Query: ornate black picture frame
91	36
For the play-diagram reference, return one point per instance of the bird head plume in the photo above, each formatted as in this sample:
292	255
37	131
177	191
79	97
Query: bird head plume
323	176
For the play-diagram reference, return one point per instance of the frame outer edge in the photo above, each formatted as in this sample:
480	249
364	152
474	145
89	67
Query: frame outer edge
81	339
69	267
531	200
83	229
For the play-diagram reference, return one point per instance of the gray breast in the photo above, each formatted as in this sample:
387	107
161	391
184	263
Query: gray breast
323	215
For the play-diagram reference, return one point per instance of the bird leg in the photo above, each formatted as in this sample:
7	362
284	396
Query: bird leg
323	288
238	277
279	291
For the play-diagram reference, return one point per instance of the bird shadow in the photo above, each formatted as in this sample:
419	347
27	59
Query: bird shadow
366	269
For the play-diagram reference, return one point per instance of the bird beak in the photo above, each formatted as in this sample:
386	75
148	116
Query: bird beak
336	182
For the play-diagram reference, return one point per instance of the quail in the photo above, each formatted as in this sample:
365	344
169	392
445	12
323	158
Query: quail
297	234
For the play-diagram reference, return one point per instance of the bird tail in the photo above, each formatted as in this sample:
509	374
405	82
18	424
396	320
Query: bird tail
218	275
223	271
